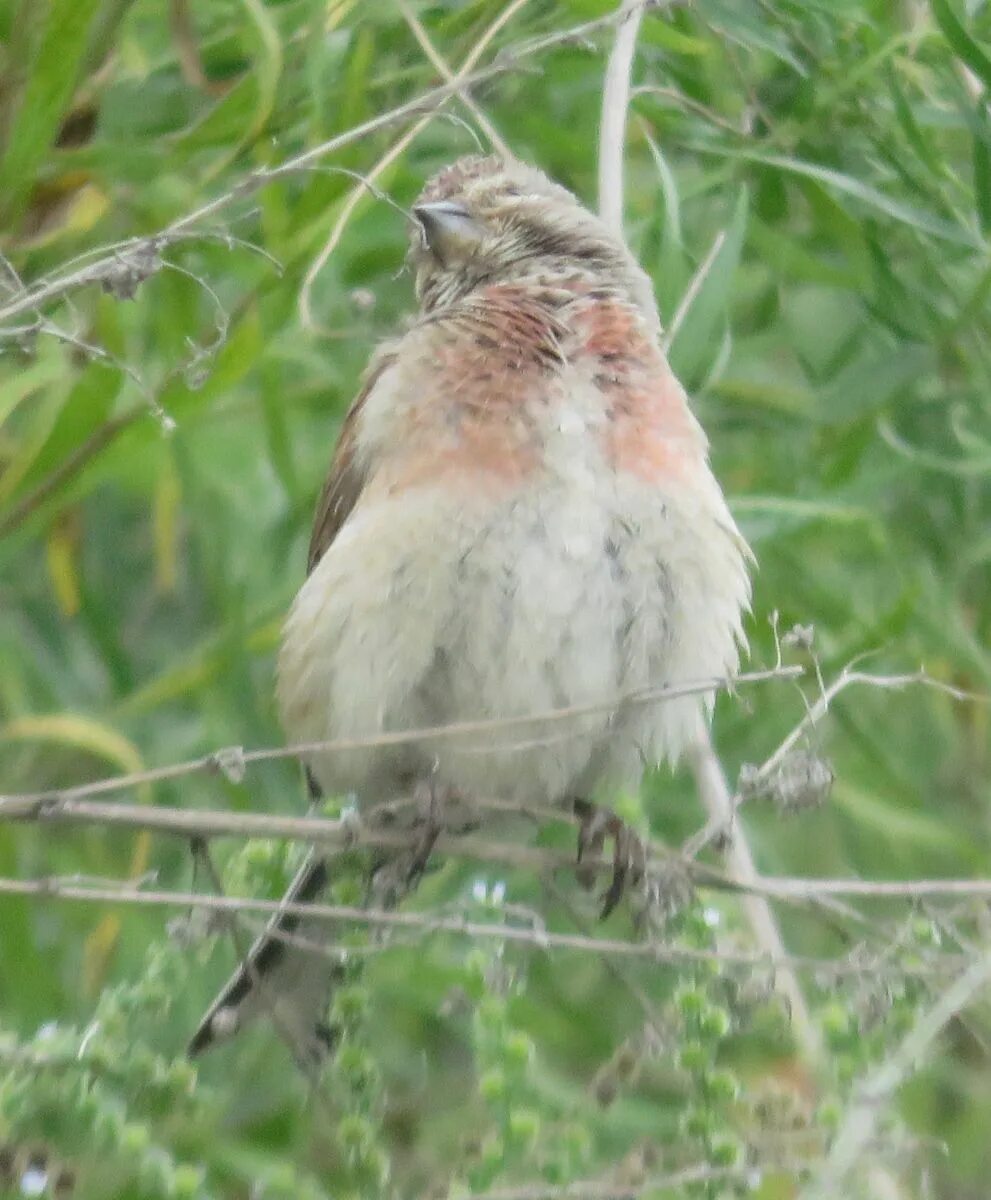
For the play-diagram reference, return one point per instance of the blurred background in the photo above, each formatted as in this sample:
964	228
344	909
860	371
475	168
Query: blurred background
809	186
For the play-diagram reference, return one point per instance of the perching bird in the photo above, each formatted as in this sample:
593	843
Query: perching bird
519	517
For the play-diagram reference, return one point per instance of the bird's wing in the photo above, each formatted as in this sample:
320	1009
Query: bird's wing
278	977
521	339
346	476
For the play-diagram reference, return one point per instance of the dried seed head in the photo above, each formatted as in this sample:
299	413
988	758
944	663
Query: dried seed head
803	780
802	637
130	269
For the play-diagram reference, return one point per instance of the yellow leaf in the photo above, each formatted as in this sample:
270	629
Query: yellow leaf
83	733
98	950
168	494
66	209
60	554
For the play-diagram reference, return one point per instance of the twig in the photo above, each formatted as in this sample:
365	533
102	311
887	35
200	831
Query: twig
720	822
110	264
615	103
325	831
542	939
690	105
233	925
876	1094
717	800
322	831
390	156
691	292
233	761
438	60
846	678
783	888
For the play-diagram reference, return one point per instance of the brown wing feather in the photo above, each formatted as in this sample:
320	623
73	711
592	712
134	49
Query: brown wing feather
287	972
346	477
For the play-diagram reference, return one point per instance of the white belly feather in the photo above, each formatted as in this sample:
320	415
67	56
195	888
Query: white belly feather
423	614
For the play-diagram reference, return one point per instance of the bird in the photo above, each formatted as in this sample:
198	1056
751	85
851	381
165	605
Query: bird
519	518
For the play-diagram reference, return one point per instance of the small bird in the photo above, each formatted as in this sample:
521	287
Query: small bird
519	517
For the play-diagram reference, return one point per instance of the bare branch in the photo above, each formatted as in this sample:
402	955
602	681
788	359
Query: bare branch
137	254
615	103
236	760
327	831
543	939
876	1094
720	822
438	60
718	803
691	292
391	155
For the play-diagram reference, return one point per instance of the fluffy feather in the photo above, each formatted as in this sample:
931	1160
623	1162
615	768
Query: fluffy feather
520	517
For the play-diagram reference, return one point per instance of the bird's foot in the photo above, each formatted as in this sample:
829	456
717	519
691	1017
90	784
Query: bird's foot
430	800
629	852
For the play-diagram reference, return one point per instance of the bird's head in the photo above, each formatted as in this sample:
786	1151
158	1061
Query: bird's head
490	220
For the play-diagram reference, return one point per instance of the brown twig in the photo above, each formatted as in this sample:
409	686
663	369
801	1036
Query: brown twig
233	761
323	831
543	939
720	821
137	255
390	156
449	76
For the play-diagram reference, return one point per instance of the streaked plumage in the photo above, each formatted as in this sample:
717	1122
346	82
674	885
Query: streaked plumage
519	517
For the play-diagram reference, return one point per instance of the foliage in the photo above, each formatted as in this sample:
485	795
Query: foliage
162	441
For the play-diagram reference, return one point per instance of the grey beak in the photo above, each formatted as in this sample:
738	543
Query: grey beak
449	230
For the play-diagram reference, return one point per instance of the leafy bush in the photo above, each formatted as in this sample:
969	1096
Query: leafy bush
809	186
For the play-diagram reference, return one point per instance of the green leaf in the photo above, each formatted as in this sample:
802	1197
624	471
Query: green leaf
868	195
793	260
964	467
742	22
982	167
962	43
669	272
664	34
910	126
897	823
778	514
872	380
696	341
266	64
45	98
19	387
42	421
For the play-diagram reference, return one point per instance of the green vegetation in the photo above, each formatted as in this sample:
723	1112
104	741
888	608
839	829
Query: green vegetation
165	428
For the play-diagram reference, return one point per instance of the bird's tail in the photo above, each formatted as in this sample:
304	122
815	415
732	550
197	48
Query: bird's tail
280	978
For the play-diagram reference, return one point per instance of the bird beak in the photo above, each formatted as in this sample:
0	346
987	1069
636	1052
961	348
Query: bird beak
449	230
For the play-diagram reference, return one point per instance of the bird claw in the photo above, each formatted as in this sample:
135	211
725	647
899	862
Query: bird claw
629	851
430	801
